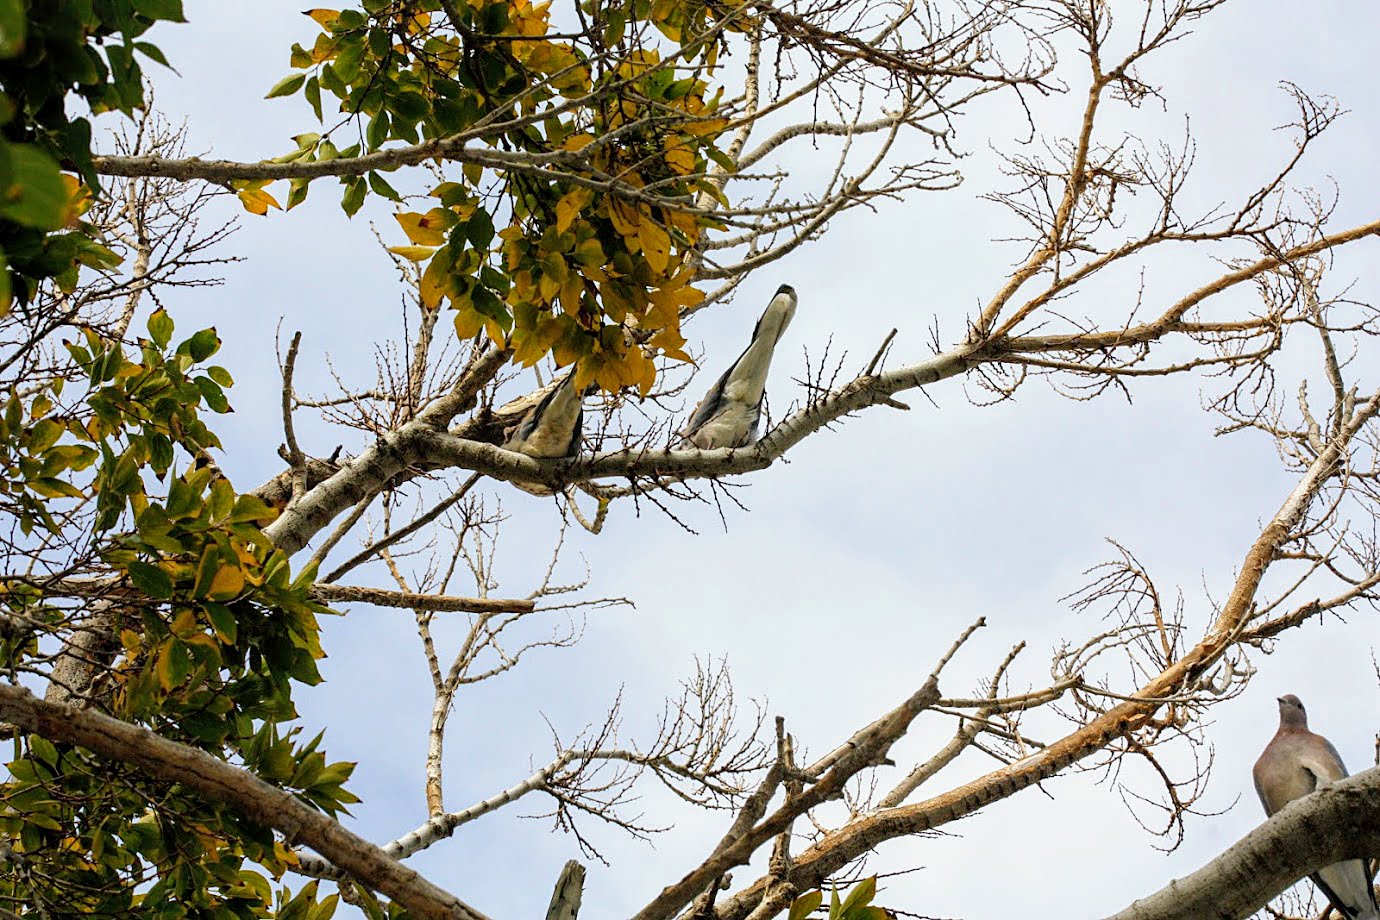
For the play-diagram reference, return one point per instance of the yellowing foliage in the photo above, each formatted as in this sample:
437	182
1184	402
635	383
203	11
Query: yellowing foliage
579	259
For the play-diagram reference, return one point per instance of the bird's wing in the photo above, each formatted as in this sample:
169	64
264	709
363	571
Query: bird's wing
1260	790
711	405
1347	885
529	427
1320	758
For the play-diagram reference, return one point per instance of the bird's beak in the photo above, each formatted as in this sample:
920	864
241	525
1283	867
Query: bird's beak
1279	699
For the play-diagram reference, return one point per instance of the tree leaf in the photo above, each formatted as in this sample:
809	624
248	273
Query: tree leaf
861	895
36	196
656	245
805	905
570	206
257	201
160	327
413	253
287	86
170	10
13	27
150	579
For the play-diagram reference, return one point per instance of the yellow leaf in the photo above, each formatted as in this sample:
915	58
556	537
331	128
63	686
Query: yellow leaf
625	217
435	283
548	286
527	349
228	583
570	206
323	17
571	290
608	376
184	623
656	245
78	200
468	323
534	24
705	127
422	228
679	158
164	668
257	201
684	222
648	378
576	142
131	641
584	374
523	285
671	344
413	253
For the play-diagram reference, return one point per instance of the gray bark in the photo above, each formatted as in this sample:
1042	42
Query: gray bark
1336	823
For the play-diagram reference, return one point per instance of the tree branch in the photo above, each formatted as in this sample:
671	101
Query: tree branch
1339	822
256	800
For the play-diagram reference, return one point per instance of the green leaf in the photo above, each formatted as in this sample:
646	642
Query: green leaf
43	749
297	192
150	579
223	621
174	663
202	345
6	286
805	905
12	27
251	508
153	53
206	570
170	10
313	95
480	229
160	327
354	196
382	188
377	132
861	895
220	375
287	86
211	392
44	435
55	488
36	195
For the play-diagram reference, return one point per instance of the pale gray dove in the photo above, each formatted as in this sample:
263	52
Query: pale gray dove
550	430
729	413
1295	763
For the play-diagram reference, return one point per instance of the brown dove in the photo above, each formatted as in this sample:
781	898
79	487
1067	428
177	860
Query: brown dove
1295	763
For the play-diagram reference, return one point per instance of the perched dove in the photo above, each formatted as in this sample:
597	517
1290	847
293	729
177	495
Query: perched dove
729	413
1295	763
550	430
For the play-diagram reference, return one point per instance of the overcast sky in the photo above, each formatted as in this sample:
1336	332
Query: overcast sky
859	561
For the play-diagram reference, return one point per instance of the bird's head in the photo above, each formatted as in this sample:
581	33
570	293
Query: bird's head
1291	711
787	290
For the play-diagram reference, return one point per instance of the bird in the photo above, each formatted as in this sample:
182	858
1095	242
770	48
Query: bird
728	414
1295	763
550	430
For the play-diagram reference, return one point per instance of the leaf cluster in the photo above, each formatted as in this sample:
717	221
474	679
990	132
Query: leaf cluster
595	256
213	630
50	51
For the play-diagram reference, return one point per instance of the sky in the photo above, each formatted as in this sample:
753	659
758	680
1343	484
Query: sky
857	563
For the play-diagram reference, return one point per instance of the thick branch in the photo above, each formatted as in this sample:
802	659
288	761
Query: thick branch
347	594
246	793
1336	823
